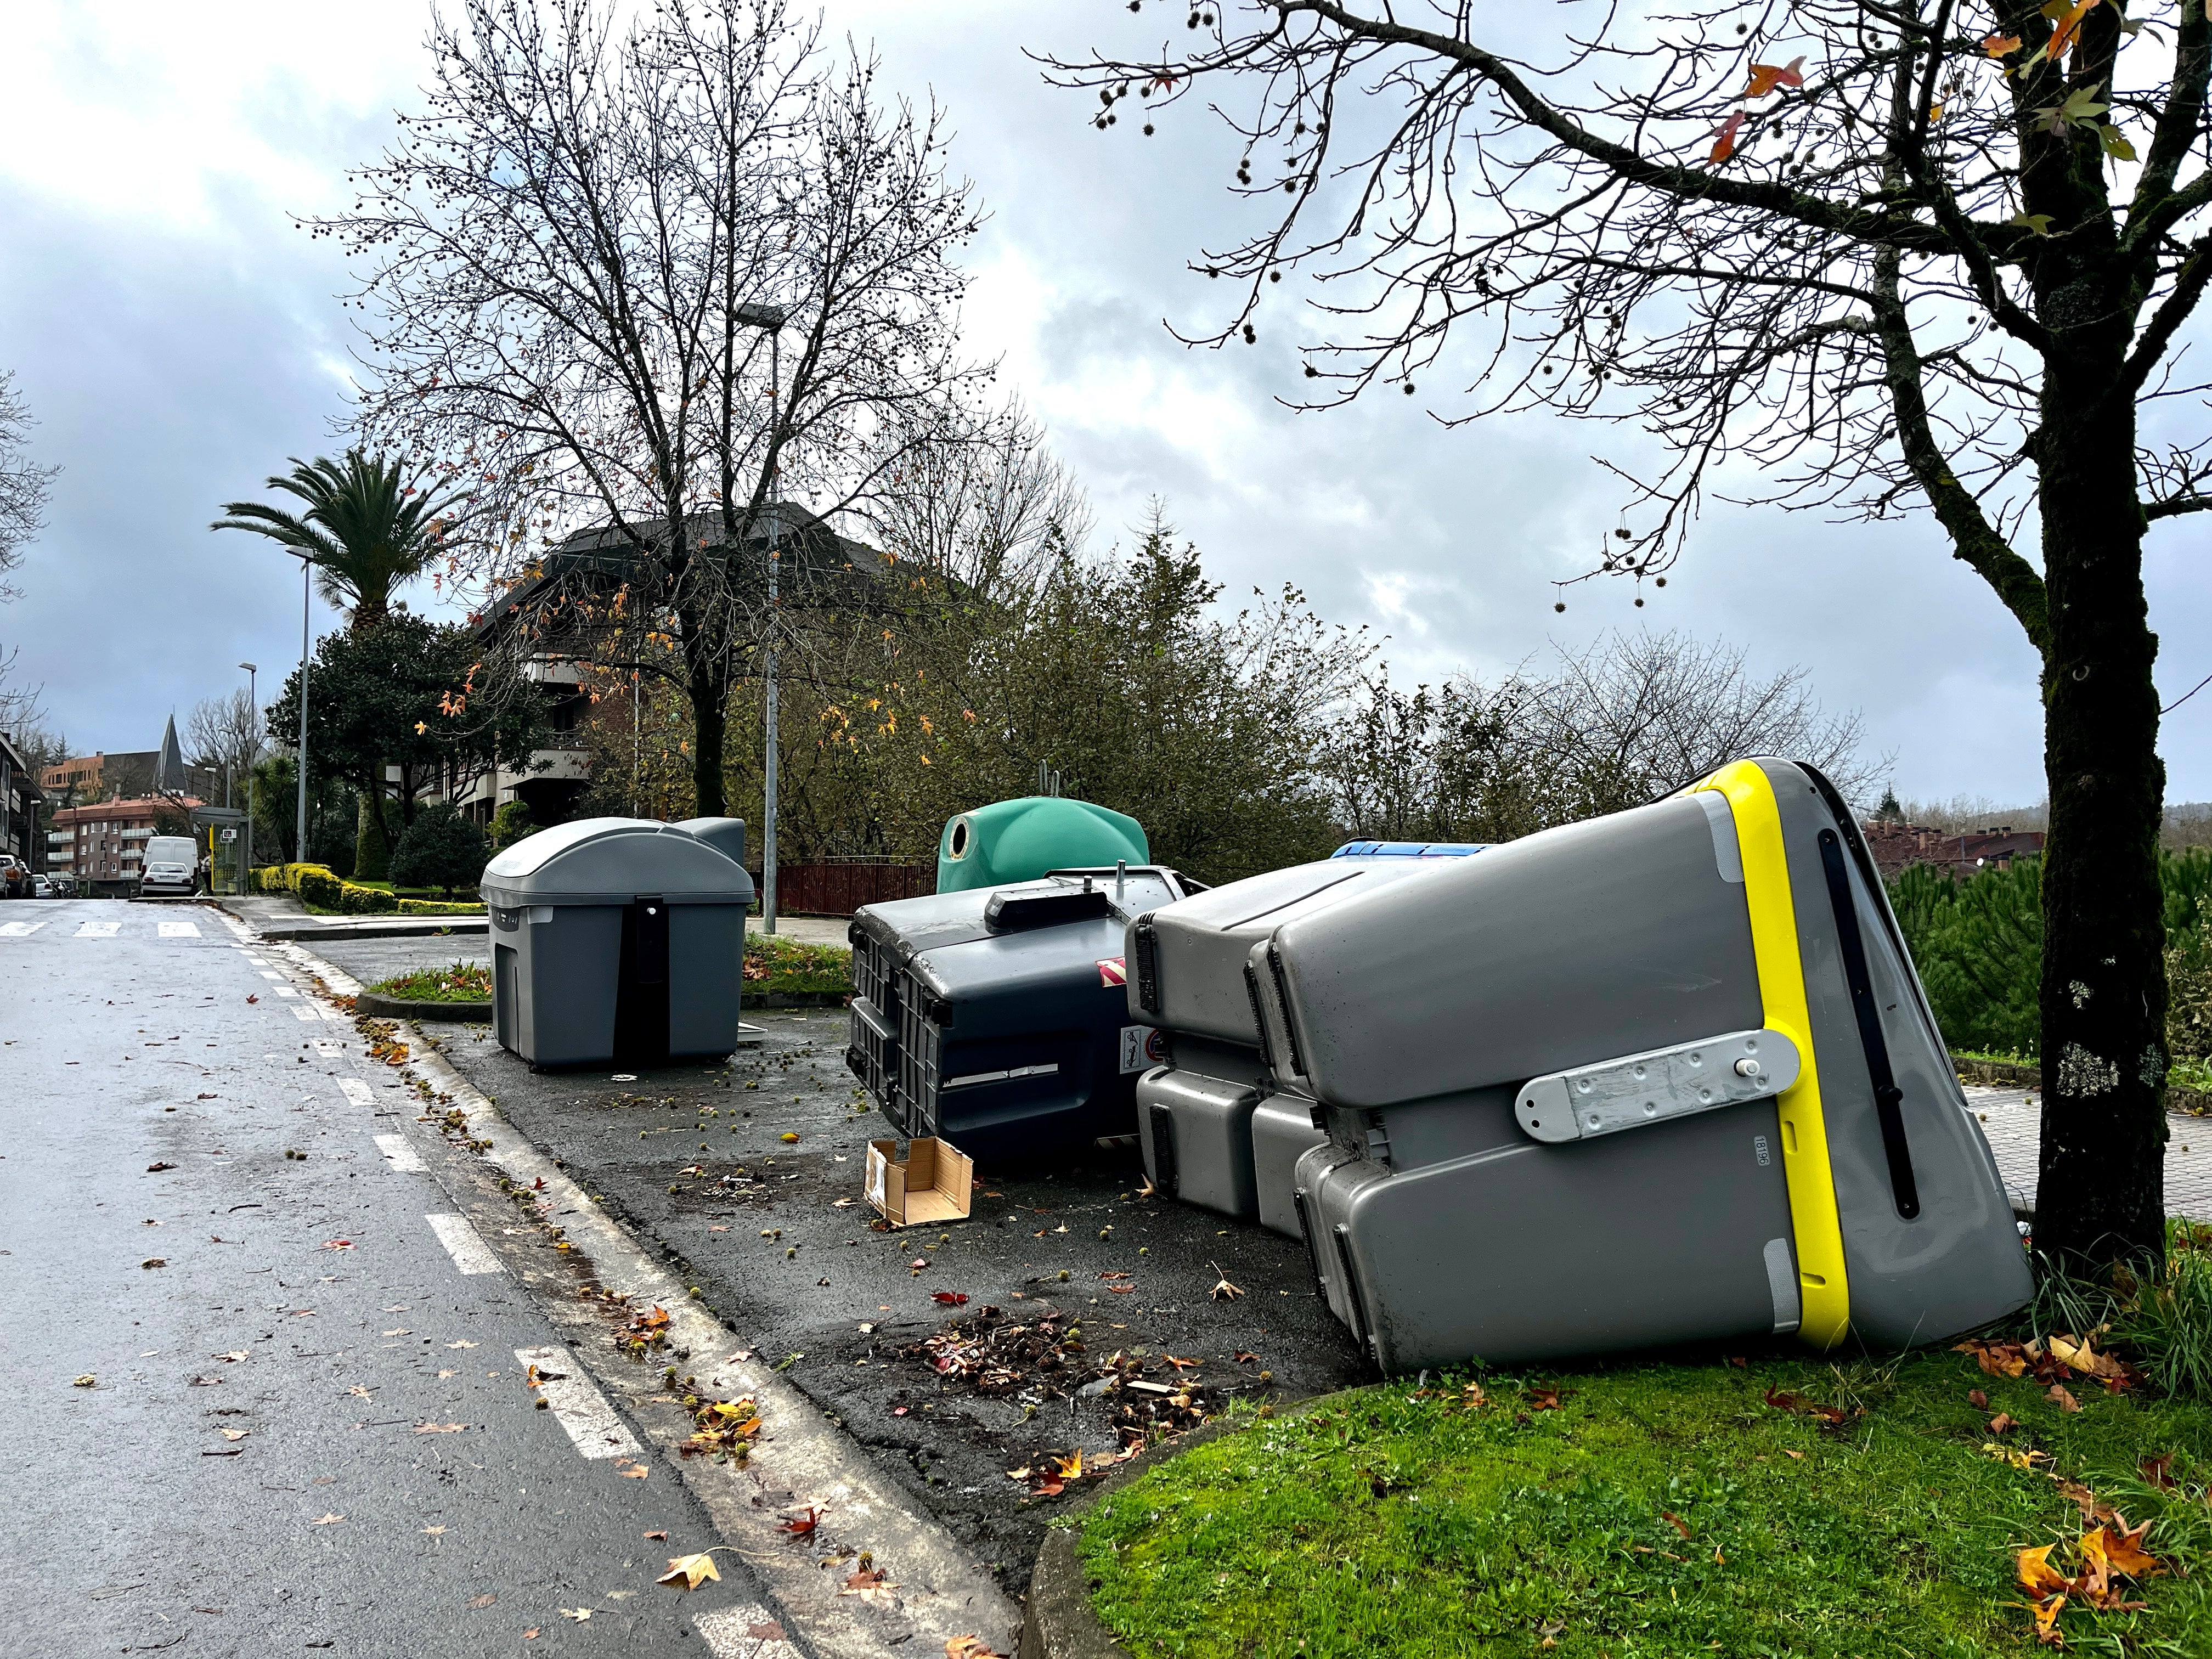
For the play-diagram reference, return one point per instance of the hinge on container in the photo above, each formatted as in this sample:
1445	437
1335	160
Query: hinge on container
1656	1086
1148	966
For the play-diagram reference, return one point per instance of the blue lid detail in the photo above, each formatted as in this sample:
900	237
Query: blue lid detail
1406	850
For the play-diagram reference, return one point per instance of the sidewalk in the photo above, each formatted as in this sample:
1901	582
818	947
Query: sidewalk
2012	1120
274	917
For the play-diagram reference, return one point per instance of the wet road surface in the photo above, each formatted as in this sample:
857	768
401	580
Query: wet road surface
303	1426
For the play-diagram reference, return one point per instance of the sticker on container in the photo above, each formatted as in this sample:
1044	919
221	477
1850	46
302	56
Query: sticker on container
1113	970
1143	1046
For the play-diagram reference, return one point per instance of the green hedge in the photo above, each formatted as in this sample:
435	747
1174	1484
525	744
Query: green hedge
439	908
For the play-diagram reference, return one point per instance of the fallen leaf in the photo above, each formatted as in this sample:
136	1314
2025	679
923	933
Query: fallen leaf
460	1345
1675	1522
661	1536
358	1392
971	1647
2083	1358
1223	1291
338	1244
867	1579
2058	1395
530	1635
582	1615
803	1526
2003	1423
789	1137
483	1601
2153	1470
1975	1398
440	1428
253	999
236	1434
1544	1399
950	1298
155	1261
87	1381
326	1520
434	1532
1131	1290
688	1572
234	1356
636	1471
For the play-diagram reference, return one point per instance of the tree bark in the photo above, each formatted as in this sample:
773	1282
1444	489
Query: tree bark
372	845
2100	1195
710	723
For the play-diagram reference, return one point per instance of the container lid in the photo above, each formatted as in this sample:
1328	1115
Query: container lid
612	861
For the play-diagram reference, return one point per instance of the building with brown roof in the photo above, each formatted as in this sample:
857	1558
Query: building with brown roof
1959	852
104	845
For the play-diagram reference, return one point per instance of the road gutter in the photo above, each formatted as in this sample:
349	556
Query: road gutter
801	1461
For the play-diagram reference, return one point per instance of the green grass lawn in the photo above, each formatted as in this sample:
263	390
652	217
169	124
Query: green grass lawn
778	966
1658	1510
465	982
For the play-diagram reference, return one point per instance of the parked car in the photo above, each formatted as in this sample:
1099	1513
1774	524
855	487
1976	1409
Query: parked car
61	886
172	866
40	886
14	877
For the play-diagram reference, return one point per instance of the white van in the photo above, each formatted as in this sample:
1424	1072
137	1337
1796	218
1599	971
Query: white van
171	861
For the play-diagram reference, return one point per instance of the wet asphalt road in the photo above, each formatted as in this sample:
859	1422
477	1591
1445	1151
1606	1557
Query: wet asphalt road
822	1273
289	1446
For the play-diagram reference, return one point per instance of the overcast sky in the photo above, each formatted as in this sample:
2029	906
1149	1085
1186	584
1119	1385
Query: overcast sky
177	338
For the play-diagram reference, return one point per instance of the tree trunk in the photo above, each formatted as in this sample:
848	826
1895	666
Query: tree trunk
2100	1196
709	721
372	847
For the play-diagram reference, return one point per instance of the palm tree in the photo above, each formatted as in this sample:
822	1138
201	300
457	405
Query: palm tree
366	529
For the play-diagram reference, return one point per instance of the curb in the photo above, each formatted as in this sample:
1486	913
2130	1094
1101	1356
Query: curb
806	1458
1060	1622
383	1007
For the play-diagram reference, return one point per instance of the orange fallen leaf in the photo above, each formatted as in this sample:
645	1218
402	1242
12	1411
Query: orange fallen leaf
689	1571
1675	1522
803	1526
971	1647
1975	1397
636	1471
440	1428
2057	1394
2003	1423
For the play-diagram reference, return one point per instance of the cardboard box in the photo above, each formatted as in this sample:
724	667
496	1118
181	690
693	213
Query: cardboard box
934	1182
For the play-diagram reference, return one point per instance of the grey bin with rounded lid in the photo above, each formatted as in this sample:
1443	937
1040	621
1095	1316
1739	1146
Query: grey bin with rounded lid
615	941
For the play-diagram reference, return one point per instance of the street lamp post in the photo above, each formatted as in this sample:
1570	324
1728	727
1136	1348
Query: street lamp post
253	755
299	838
770	319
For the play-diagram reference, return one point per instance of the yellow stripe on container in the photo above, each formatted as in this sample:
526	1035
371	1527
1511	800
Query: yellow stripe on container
1822	1285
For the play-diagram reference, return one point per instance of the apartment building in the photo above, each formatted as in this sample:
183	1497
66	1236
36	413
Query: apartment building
104	844
21	801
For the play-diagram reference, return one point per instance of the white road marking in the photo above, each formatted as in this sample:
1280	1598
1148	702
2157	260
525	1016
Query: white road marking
337	1014
324	1046
357	1091
301	1011
404	1156
749	1631
286	991
268	973
583	1409
178	929
19	929
470	1253
98	929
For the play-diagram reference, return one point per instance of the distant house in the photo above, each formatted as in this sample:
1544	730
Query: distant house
22	800
1960	853
104	844
101	776
558	608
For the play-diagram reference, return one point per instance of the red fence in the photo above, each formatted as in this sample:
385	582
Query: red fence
838	890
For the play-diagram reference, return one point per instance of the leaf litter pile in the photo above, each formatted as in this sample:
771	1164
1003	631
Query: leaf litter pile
1041	1356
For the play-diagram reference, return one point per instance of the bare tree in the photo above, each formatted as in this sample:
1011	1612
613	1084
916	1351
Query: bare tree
224	734
1876	255
1626	721
581	268
23	487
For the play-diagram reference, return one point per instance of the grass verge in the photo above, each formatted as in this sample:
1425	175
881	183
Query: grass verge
1658	1510
465	982
776	966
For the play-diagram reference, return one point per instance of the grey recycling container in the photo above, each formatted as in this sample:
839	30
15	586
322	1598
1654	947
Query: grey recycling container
995	1018
725	836
615	941
1214	1132
1663	1076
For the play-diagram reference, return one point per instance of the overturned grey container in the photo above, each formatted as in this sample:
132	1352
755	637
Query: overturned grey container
1223	1125
617	941
1665	1076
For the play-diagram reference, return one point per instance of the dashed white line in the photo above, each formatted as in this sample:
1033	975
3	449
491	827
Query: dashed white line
178	929
286	991
303	1011
749	1631
357	1091
19	929
573	1398
470	1253
324	1046
270	973
97	929
405	1159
